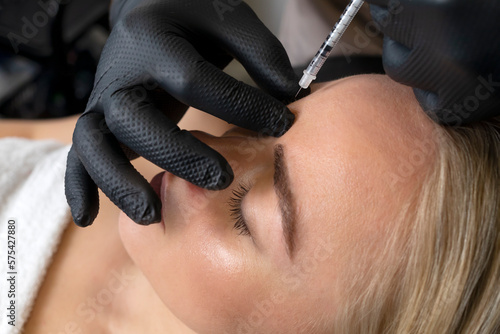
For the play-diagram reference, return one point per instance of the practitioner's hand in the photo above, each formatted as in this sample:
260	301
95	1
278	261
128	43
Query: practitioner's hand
172	51
448	51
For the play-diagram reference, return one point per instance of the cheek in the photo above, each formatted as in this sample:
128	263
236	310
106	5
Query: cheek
139	241
205	273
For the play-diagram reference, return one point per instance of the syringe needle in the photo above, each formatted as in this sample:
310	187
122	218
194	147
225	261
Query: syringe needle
296	95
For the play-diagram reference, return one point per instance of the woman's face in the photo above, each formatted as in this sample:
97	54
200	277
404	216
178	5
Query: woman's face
275	251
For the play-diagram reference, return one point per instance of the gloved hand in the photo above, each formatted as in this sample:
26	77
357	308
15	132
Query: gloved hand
161	56
448	51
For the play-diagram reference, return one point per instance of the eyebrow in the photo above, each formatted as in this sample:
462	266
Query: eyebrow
286	200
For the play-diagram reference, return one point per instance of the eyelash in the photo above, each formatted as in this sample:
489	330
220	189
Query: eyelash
235	204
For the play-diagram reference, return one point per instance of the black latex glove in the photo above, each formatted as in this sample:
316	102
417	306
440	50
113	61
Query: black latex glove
172	51
449	51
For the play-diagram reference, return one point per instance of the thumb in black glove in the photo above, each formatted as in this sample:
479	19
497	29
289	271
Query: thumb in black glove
448	51
182	45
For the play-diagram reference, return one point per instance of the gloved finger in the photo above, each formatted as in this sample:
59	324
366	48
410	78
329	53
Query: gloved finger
169	106
107	165
81	191
396	57
402	61
395	19
188	77
219	58
403	65
387	20
164	143
380	15
246	38
129	153
429	101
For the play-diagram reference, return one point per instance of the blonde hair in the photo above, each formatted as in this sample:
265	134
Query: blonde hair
444	275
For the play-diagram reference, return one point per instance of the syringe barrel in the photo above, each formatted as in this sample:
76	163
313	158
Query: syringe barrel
329	44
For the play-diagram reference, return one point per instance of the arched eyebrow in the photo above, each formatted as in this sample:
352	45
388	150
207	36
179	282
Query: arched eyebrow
286	199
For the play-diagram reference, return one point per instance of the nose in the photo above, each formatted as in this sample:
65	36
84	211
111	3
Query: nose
242	150
248	158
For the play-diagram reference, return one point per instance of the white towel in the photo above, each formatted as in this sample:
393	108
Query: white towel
31	194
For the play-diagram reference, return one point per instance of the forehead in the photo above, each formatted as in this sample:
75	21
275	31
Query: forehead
346	151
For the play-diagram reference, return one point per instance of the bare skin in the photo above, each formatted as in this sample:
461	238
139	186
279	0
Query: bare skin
211	276
71	305
342	155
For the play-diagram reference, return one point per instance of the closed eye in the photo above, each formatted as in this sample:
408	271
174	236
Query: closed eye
236	212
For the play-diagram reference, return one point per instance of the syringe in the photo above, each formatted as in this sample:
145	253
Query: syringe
331	41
